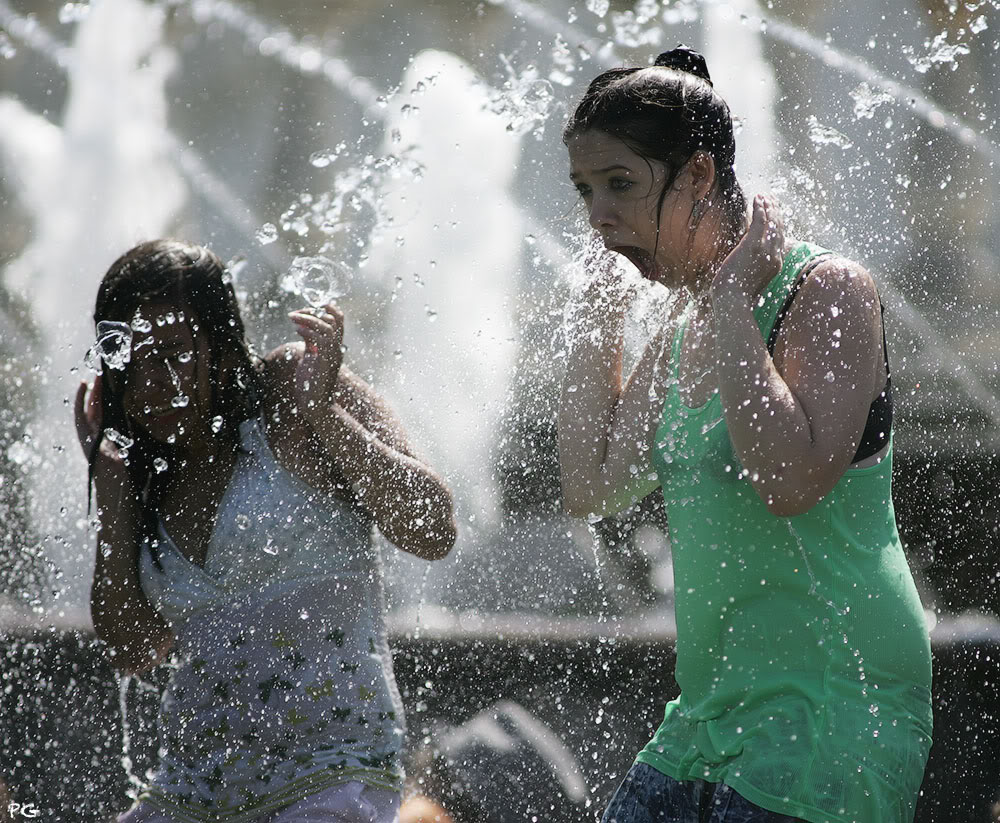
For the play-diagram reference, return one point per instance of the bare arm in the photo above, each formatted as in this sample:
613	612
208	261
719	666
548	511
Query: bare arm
606	429
411	504
797	429
123	617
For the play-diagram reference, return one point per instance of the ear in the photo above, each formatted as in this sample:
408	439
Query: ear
700	171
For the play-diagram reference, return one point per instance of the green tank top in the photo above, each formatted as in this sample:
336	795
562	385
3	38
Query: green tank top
802	652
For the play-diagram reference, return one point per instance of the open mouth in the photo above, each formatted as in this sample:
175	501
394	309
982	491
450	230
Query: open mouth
161	412
641	259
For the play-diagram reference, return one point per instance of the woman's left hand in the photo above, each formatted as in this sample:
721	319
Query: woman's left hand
316	373
757	257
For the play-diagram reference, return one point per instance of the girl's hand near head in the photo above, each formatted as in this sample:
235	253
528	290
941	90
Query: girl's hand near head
757	257
316	372
88	414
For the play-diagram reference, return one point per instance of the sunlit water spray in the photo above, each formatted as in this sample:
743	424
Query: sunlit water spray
353	216
94	185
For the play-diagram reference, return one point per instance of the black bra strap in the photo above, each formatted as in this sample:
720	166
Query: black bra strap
879	423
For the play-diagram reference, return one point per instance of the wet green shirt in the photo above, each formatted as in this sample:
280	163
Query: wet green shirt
802	653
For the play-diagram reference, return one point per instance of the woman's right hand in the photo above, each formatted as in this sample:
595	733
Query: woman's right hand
88	416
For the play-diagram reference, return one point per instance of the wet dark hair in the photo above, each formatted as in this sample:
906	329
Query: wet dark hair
667	112
194	279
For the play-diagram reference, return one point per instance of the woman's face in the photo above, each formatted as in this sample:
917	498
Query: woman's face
167	390
621	191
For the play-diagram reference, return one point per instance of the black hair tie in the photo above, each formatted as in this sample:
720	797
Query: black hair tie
685	59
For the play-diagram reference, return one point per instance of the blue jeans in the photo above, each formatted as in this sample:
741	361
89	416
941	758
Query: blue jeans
647	796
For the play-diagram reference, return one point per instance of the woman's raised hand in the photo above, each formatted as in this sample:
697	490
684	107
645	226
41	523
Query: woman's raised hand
87	413
322	330
757	257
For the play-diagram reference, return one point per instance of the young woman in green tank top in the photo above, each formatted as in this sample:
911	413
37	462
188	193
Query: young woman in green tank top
763	410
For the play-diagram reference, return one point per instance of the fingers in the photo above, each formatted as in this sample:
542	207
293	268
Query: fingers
328	319
79	412
86	413
767	227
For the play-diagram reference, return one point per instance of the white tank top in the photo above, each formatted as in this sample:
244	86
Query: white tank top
284	683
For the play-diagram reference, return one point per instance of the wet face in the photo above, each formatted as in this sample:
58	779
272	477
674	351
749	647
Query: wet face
167	391
621	191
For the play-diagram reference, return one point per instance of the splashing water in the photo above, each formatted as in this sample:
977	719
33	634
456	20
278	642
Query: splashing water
867	100
938	51
318	280
813	583
113	347
827	135
267	234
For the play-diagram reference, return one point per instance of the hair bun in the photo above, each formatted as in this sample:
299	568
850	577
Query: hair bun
686	59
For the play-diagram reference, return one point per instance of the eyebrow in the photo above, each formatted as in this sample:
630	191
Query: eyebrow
573	175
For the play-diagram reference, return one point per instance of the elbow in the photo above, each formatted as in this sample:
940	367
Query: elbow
441	541
788	502
785	508
130	659
431	540
576	502
576	507
131	653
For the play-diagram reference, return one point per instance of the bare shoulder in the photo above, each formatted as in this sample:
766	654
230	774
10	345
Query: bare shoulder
838	280
838	294
834	319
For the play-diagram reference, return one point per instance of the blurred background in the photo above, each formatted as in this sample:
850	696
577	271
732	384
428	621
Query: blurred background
418	144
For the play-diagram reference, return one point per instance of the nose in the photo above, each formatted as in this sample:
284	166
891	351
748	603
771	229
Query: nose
152	373
603	215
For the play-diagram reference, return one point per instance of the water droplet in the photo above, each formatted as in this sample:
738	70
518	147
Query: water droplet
233	269
318	280
140	323
217	422
160	464
113	346
829	377
122	441
598	7
321	159
242	522
266	234
827	135
180	401
73	12
867	100
20	453
7	48
938	51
